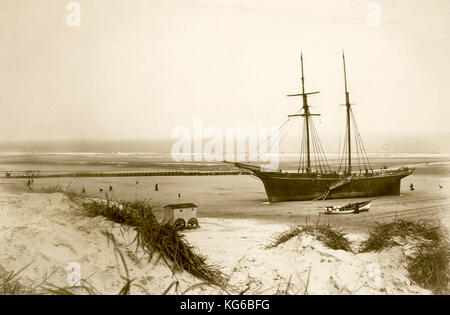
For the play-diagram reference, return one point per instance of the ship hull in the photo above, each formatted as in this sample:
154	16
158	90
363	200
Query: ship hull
291	187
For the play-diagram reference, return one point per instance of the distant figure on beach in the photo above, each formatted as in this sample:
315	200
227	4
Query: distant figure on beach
156	187
137	183
411	187
110	188
100	189
179	195
28	183
83	190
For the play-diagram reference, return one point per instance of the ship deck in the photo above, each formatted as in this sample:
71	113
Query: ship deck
335	176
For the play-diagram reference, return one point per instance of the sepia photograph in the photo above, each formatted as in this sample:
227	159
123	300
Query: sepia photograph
225	152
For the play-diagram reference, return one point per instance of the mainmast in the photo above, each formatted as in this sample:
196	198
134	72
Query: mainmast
359	148
347	105
306	114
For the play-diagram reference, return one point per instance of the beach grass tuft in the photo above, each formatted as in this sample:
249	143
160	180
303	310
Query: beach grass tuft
385	234
329	236
68	192
429	265
332	238
10	283
285	236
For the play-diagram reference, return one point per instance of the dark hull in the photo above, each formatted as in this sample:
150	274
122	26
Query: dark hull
291	186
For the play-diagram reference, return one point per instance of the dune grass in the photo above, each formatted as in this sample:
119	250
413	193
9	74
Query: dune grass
157	238
68	192
329	236
384	235
285	236
429	265
10	283
332	238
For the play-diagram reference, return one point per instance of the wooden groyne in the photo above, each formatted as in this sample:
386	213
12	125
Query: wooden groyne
127	174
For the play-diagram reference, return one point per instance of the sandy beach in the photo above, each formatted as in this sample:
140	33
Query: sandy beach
244	196
183	148
48	231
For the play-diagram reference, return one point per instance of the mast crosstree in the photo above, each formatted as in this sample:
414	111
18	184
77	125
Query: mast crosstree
309	131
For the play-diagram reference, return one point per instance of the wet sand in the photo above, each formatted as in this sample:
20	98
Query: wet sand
243	196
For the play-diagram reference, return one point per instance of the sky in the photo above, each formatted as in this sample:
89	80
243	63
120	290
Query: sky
138	69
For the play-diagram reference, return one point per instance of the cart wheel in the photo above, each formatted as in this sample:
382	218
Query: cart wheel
193	223
179	224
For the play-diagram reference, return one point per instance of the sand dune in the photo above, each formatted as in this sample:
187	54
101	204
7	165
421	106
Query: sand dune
48	232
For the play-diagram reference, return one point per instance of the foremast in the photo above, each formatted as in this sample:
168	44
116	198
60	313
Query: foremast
306	114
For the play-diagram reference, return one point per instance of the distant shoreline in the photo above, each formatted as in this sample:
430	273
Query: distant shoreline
118	165
132	174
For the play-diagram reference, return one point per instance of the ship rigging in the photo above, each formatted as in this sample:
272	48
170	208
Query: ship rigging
314	178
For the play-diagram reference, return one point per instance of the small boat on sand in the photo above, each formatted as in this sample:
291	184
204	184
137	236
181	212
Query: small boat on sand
355	207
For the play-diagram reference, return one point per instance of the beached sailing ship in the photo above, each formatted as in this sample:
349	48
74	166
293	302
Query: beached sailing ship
315	179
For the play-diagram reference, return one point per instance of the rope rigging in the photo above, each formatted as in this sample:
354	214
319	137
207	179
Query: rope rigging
267	139
317	154
360	144
362	159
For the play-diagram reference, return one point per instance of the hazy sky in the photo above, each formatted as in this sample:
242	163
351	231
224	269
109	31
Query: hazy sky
136	69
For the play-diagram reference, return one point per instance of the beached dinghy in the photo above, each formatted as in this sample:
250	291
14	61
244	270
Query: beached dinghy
356	207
